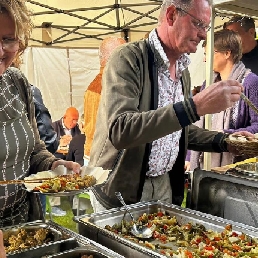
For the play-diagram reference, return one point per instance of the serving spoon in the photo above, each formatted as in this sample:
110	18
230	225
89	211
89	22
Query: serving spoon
249	102
137	230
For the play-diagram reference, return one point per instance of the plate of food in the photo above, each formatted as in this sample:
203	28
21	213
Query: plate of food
65	183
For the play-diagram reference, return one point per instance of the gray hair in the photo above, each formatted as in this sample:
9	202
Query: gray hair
183	4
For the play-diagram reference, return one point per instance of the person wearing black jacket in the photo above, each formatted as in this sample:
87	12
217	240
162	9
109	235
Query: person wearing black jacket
245	27
66	128
44	122
46	131
76	146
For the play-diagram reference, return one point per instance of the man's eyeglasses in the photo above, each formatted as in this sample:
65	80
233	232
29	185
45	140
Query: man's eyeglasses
10	44
199	24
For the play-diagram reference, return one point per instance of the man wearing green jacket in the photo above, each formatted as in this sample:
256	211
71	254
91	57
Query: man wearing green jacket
144	123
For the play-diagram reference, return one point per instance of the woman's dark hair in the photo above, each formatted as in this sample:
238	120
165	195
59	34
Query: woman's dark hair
228	40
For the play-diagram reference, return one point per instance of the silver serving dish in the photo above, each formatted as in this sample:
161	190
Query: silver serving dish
66	242
92	226
248	169
85	244
80	251
57	240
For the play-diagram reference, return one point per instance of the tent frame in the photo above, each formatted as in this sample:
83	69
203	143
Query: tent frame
110	29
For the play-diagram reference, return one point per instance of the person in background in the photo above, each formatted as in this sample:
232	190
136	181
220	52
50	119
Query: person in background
240	117
2	249
76	146
93	92
144	122
66	128
45	128
44	122
22	153
245	27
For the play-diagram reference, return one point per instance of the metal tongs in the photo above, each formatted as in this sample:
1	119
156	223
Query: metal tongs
23	181
249	102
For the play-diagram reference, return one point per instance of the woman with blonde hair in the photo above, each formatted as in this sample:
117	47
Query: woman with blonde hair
240	117
22	153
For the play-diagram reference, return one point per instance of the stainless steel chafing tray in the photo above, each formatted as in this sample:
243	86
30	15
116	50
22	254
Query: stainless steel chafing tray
92	226
85	245
231	196
54	235
248	169
80	251
58	240
64	240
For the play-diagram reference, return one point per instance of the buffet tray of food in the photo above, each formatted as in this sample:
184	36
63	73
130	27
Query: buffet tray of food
109	228
45	240
247	169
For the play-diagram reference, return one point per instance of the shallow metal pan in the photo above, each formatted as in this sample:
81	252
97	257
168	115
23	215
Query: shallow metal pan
80	251
92	226
59	241
231	196
85	243
53	235
249	169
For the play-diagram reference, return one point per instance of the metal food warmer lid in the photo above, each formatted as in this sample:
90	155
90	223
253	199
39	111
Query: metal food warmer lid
232	195
52	240
93	226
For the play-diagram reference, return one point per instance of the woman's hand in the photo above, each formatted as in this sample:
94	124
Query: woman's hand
187	165
232	149
75	167
2	250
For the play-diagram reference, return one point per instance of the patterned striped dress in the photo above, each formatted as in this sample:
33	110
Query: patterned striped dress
17	143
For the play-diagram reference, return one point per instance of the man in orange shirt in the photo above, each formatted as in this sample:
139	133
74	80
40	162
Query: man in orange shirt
93	93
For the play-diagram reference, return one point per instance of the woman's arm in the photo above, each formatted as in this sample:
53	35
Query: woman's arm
247	119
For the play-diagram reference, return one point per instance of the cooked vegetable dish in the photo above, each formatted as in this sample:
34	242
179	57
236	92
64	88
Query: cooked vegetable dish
66	183
188	240
24	239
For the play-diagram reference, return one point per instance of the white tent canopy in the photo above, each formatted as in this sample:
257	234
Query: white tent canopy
84	23
242	7
63	55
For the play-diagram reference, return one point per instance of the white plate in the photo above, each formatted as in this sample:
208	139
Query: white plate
99	173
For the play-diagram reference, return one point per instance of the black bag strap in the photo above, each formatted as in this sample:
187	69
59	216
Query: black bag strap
153	72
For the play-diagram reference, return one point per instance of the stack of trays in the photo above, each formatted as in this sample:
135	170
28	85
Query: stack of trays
60	243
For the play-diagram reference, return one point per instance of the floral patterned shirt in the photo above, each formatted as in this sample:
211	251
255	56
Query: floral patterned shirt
165	150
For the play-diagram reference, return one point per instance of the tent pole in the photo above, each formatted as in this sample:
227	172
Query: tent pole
209	79
70	77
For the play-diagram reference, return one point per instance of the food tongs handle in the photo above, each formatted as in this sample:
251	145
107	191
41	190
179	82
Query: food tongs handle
121	199
248	102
